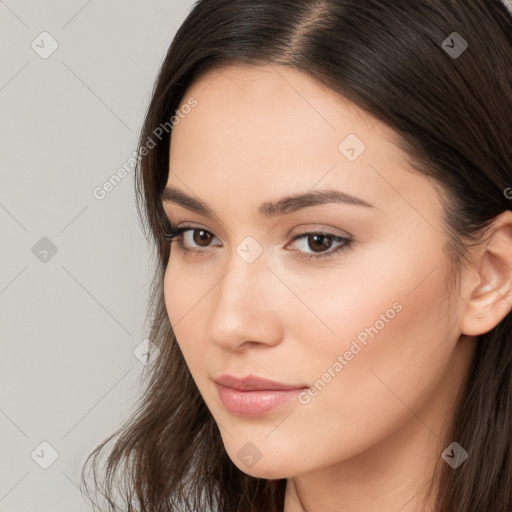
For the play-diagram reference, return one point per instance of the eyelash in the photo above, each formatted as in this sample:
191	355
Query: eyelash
174	234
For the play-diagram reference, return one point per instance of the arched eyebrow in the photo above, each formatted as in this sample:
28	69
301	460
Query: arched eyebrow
283	206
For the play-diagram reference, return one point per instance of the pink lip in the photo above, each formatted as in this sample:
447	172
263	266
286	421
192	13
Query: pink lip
254	396
253	383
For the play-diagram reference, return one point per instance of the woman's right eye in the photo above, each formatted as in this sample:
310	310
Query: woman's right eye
175	234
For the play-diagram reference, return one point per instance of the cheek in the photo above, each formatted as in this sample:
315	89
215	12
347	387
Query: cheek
183	289
181	294
393	343
173	289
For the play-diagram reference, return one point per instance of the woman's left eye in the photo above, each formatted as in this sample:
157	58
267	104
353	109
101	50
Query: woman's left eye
322	241
318	241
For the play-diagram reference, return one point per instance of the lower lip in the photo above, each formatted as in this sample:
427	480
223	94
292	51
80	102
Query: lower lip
254	403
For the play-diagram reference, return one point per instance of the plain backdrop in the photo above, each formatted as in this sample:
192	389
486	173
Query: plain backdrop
75	82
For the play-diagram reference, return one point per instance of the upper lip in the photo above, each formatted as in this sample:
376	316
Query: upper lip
253	383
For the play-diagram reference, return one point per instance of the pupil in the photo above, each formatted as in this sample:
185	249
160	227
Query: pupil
319	237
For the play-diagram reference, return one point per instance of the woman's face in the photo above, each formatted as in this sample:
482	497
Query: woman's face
367	328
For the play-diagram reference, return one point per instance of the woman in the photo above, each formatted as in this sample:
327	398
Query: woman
330	199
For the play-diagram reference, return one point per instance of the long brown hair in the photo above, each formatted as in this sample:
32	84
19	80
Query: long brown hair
453	115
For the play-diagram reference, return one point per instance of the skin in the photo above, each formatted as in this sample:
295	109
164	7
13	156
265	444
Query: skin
369	440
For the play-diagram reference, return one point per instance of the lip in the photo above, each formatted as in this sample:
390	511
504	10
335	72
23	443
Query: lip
254	383
254	396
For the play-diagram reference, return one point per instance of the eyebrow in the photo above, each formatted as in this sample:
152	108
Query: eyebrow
283	206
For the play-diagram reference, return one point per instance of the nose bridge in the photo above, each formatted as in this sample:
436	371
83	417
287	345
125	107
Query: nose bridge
242	284
243	308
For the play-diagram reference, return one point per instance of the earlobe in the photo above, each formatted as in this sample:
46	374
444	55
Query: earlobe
490	300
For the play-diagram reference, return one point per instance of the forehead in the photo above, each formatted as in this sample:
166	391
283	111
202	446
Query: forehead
256	89
271	128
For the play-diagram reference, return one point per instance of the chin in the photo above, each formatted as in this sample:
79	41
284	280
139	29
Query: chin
262	471
269	467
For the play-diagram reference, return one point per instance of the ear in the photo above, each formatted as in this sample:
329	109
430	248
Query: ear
487	282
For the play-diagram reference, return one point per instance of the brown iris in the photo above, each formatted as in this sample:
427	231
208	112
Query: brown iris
318	237
201	235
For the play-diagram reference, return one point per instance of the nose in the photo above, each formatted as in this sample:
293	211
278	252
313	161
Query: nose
246	308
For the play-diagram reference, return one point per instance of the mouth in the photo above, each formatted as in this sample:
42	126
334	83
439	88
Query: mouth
254	396
254	383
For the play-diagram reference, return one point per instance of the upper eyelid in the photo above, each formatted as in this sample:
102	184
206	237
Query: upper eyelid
327	230
167	216
338	231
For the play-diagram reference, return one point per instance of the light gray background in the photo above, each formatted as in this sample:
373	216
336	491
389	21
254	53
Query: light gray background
69	325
